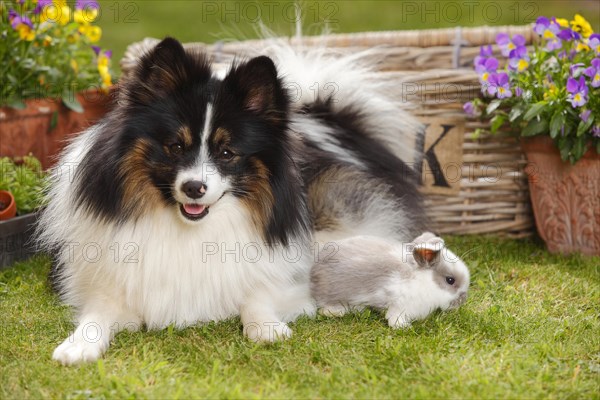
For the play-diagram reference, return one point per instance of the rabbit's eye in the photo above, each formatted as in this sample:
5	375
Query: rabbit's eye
450	280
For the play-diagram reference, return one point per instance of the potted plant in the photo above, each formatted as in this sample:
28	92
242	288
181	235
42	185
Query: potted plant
55	81
8	207
24	180
550	95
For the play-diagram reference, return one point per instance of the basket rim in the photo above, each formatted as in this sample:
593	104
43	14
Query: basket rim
423	38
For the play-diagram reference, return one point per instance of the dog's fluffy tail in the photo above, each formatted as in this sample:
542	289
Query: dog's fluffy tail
317	73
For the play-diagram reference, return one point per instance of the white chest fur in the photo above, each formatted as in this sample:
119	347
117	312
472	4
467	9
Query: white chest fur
166	271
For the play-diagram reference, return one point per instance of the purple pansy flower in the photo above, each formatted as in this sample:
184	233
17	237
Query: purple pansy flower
507	45
12	14
585	115
553	44
596	131
574	70
570	55
471	110
518	91
485	68
98	51
16	20
594	43
594	72
40	5
549	31
568	35
518	59
484	53
578	92
86	4
498	85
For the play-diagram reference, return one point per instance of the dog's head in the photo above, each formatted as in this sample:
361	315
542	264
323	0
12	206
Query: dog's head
187	140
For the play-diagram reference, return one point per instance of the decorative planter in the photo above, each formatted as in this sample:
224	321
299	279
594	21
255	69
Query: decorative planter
565	197
8	207
16	242
43	127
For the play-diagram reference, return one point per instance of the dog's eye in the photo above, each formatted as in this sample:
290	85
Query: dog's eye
227	154
176	148
450	280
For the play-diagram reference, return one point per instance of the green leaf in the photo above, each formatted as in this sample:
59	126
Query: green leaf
71	102
515	113
53	121
497	122
565	145
12	79
493	106
535	127
556	123
579	148
584	126
569	127
535	110
17	104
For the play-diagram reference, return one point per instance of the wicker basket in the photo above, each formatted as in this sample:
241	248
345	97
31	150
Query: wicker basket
492	193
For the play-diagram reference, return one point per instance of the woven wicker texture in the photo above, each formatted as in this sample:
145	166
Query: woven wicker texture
433	70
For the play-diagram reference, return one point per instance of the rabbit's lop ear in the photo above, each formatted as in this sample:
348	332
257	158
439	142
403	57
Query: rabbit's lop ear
427	252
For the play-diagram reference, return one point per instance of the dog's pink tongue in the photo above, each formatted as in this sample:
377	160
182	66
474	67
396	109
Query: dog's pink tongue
194	209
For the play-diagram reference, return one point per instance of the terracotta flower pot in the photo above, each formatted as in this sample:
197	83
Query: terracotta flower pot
43	127
8	207
565	197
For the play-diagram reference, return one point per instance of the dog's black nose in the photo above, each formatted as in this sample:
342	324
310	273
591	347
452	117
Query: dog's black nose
194	189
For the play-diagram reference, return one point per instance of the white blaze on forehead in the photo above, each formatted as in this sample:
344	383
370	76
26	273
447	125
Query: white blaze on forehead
204	169
206	130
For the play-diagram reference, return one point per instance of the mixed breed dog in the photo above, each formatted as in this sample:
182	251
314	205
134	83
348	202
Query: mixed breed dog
193	165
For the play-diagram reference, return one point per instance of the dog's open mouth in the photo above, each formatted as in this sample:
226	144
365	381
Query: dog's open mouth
194	212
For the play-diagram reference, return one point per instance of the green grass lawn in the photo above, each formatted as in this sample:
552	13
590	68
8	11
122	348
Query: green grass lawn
530	329
125	21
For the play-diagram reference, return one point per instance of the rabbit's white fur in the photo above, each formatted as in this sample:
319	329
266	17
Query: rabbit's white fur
409	280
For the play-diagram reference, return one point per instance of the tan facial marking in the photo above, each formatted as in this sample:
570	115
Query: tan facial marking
139	191
259	198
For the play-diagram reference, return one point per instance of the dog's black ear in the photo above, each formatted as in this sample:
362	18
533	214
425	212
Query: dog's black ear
257	86
158	72
163	66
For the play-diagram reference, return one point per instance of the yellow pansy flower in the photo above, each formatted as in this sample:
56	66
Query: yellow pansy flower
93	33
582	47
522	65
103	64
580	25
25	32
74	65
551	92
562	22
56	12
86	15
73	38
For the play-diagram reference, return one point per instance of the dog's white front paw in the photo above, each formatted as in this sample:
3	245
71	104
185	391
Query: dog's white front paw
267	331
74	351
